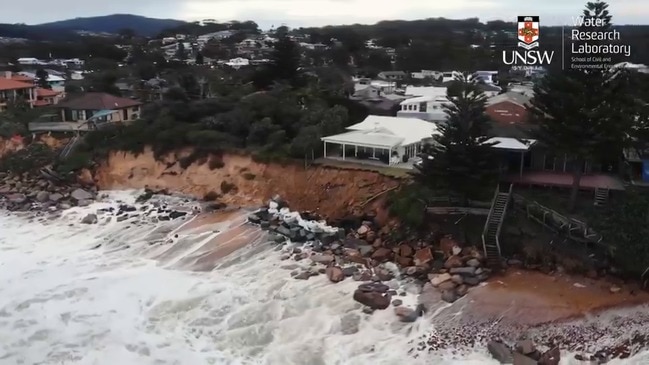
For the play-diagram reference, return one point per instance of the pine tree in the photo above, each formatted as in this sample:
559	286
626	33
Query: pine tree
582	112
181	52
42	77
285	59
460	159
199	58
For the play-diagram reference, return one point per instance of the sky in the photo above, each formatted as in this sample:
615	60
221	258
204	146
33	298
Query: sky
297	13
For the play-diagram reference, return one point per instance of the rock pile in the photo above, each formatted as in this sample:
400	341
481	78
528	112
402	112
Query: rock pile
27	193
358	248
462	269
524	353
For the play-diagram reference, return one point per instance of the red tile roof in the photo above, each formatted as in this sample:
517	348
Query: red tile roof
46	93
98	101
7	84
41	103
22	78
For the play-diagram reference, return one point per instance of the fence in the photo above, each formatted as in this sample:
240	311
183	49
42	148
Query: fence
575	229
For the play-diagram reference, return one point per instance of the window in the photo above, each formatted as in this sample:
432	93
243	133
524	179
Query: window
124	114
549	162
136	108
422	107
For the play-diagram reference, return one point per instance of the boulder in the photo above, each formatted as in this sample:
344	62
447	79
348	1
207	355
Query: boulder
56	197
372	299
520	359
615	289
406	250
89	219
438	279
461	290
323	259
42	196
471	280
457	279
397	302
500	352
335	274
464	271
382	254
453	261
374	287
17	198
423	256
406	314
456	250
447	285
551	357
525	347
362	230
473	263
449	296
80	194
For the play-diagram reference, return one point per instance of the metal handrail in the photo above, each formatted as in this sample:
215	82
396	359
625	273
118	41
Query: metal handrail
500	222
486	225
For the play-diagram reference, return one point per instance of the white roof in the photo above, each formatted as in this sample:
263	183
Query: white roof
511	143
411	130
425	91
369	138
424	99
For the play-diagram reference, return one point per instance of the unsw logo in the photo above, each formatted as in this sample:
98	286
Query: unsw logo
528	33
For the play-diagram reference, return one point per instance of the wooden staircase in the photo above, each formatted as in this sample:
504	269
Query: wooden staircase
70	146
601	197
491	231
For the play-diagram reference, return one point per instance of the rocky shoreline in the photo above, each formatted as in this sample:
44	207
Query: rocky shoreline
435	269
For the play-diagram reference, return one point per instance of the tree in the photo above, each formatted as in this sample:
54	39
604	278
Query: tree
181	53
42	76
199	58
582	113
285	59
459	158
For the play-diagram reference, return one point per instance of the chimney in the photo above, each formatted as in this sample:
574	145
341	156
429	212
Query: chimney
8	75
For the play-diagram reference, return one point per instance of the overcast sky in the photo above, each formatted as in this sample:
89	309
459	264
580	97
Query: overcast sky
297	13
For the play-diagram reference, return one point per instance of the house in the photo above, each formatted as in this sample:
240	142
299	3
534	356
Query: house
12	91
29	61
429	108
425	91
381	140
99	107
489	77
238	62
56	83
435	75
392	75
528	162
490	90
450	76
509	108
46	97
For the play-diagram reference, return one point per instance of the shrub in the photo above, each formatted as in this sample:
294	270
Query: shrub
227	187
215	163
34	156
211	196
248	176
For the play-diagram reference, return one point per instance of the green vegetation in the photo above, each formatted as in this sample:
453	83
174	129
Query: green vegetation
29	159
625	227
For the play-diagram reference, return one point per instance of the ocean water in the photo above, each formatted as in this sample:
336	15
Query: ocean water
129	293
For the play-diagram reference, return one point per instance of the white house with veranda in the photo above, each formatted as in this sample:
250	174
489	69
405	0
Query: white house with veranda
379	140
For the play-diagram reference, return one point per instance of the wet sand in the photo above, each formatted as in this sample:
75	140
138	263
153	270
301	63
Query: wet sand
532	298
214	236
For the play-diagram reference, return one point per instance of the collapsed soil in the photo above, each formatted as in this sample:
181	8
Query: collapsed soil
331	192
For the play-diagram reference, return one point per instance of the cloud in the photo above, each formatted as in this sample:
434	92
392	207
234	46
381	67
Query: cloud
319	12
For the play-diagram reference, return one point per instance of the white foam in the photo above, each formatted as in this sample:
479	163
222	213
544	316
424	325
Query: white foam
63	302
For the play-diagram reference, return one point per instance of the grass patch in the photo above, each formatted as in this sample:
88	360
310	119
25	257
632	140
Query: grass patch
227	187
248	176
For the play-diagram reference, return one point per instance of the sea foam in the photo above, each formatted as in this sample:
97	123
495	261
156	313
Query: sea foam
115	293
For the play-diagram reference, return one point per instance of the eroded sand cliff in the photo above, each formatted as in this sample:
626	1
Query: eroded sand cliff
241	181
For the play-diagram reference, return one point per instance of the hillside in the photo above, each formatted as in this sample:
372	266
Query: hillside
114	23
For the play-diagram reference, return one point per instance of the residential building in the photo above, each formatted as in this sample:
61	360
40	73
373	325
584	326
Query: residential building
392	75
238	62
313	46
435	75
425	91
14	91
490	90
429	108
509	108
29	61
450	76
381	140
489	77
103	107
56	83
46	97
